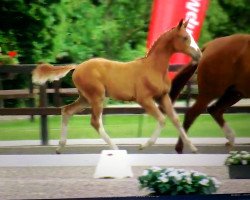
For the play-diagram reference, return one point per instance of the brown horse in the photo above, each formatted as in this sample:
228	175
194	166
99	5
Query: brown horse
142	80
223	73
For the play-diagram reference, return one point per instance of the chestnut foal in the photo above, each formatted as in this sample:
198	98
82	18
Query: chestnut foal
143	80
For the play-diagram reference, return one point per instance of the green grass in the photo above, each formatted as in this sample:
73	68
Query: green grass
120	126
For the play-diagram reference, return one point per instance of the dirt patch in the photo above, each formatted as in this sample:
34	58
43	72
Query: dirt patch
78	182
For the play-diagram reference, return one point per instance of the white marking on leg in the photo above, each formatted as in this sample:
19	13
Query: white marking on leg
229	133
154	136
105	136
186	140
175	119
64	130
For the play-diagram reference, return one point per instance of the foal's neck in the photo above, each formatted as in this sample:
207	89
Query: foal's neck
160	53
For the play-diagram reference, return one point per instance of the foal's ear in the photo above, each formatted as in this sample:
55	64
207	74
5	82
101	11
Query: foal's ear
186	23
180	24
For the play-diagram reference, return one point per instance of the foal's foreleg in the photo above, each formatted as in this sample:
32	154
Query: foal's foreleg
152	109
96	122
67	111
190	116
167	106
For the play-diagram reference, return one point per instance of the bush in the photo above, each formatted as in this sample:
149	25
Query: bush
171	181
238	158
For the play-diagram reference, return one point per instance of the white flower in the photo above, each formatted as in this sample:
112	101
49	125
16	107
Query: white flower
216	182
188	180
178	177
233	152
163	178
145	172
196	174
181	170
246	156
204	182
175	175
244	152
186	173
169	169
237	156
199	174
156	169
244	162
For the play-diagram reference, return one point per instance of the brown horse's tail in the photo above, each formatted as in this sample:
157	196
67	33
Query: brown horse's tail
181	79
47	72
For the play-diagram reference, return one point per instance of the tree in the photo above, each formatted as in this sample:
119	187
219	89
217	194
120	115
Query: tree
225	17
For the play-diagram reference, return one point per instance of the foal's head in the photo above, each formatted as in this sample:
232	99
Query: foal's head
184	42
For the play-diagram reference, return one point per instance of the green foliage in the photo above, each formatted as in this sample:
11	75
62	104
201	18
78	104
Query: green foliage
171	181
7	60
43	30
40	30
238	158
111	29
225	17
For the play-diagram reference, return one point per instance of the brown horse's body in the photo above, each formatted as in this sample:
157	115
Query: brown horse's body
143	80
223	73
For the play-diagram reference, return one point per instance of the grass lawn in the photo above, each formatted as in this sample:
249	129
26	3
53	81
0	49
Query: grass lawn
120	126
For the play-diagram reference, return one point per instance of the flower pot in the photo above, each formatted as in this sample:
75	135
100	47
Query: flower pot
239	171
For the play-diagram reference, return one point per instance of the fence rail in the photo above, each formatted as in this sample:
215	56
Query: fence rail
43	110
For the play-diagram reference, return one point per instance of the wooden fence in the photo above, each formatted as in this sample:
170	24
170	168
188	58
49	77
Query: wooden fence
43	110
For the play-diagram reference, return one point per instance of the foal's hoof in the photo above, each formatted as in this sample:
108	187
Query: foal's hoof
229	146
58	151
179	150
141	147
194	150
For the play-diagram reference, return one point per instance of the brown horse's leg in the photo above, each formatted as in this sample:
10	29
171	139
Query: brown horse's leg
96	122
167	106
67	112
150	107
199	107
230	97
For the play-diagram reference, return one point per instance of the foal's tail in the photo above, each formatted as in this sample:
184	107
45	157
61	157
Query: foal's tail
181	79
47	72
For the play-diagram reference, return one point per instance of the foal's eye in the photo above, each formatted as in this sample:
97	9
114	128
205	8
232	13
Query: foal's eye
185	38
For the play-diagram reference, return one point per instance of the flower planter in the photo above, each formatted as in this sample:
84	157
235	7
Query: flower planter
239	171
171	181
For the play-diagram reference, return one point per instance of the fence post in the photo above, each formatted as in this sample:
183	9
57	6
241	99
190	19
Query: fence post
31	101
43	118
56	95
1	87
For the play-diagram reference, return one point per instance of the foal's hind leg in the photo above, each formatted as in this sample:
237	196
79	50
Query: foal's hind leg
167	106
230	97
67	112
199	107
96	122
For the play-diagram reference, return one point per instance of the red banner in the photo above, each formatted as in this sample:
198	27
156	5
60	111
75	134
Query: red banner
167	13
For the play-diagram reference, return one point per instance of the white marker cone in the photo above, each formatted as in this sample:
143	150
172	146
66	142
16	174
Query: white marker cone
113	164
